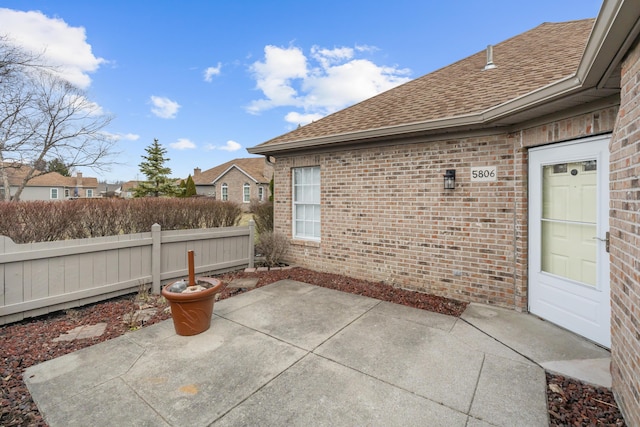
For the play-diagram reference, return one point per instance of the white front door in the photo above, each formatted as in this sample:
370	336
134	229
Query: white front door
568	236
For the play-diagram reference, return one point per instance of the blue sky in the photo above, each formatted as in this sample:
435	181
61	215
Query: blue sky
212	78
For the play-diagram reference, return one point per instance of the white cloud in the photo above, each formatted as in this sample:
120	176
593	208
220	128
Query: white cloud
346	84
212	71
130	136
296	118
274	77
164	107
322	83
231	146
122	136
326	57
61	45
183	144
84	105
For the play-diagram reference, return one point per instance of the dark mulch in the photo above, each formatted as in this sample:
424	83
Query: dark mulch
572	403
29	342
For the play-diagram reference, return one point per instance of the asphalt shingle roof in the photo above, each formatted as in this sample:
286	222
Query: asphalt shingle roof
254	166
524	63
50	179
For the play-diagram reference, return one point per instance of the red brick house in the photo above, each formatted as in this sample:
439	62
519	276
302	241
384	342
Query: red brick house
238	180
511	177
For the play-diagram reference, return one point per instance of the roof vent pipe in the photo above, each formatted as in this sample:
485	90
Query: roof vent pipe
490	65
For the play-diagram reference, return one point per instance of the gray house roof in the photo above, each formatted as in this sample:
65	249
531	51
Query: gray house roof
550	68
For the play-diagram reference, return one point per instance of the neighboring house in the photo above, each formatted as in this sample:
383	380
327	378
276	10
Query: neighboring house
126	190
538	138
51	185
110	190
239	180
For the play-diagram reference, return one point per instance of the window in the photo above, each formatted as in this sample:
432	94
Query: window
225	192
66	193
89	193
261	194
246	192
306	203
54	193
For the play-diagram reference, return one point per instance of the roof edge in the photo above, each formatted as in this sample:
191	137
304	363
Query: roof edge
231	167
616	27
564	86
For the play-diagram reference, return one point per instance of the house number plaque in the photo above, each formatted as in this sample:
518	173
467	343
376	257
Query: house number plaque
484	174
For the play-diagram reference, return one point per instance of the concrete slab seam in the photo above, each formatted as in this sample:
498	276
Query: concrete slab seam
143	399
501	343
346	325
263	333
475	388
396	386
249	395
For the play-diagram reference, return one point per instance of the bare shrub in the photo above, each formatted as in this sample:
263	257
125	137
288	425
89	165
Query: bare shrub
262	215
141	215
222	214
99	218
9	220
39	221
273	246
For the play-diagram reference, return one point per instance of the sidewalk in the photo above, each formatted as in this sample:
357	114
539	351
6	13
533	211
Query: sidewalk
296	354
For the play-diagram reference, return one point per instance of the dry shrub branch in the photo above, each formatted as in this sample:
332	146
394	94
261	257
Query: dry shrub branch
39	221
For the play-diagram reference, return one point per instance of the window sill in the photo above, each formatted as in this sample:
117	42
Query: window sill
306	243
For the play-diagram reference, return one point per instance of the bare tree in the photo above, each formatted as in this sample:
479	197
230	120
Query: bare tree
15	99
44	117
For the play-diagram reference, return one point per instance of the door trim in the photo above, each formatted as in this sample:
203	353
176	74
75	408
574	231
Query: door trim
577	150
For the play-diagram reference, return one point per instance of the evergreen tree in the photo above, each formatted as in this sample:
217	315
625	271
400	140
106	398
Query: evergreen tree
153	167
271	189
182	188
58	165
191	187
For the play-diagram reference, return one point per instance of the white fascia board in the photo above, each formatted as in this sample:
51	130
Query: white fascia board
231	167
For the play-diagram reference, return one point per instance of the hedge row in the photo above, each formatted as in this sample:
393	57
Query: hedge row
39	221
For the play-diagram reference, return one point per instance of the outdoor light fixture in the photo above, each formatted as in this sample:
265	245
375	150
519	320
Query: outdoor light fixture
450	179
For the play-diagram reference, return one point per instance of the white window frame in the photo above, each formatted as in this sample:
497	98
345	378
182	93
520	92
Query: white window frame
246	192
261	194
66	193
305	185
52	192
224	192
89	192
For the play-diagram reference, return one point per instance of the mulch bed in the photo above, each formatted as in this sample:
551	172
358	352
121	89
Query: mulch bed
26	343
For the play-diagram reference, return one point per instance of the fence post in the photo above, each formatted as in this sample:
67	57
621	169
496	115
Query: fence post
252	227
156	257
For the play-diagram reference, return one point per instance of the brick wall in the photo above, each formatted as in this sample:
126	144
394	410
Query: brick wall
625	243
601	120
235	181
386	216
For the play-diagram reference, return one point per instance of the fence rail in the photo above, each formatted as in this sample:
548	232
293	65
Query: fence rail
39	278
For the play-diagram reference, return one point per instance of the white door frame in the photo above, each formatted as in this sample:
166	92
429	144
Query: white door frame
585	310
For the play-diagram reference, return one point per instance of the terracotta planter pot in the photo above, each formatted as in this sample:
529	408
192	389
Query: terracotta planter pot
192	311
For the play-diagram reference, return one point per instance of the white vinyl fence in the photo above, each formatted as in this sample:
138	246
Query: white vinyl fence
39	278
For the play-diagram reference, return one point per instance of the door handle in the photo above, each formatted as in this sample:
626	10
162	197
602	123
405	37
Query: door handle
606	240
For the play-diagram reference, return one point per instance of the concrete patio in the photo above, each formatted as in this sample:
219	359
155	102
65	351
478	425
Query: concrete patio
295	354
